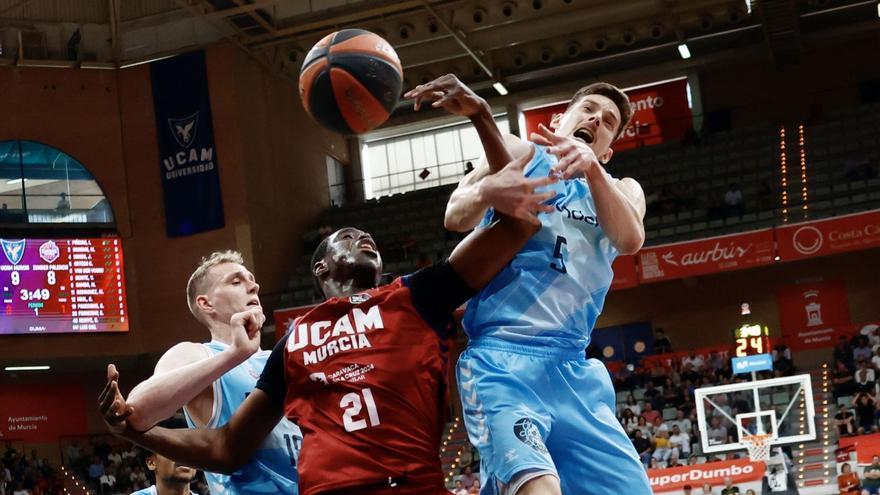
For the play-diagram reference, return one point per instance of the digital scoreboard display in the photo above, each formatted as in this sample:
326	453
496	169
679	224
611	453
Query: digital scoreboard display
751	340
62	286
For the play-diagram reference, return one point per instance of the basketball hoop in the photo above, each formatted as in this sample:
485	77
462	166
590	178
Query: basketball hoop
759	447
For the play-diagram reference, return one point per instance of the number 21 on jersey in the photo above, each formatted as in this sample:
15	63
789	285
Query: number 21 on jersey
351	404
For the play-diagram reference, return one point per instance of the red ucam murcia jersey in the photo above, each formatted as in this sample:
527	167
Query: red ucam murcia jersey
364	377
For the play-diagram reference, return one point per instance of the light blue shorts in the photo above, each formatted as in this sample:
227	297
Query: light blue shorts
544	409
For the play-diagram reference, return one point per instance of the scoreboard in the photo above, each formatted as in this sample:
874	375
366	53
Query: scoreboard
751	340
62	286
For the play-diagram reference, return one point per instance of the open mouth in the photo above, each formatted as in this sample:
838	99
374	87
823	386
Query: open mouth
253	302
367	245
584	135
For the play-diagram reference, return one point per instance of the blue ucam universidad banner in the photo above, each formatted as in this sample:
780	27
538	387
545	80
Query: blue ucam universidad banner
185	132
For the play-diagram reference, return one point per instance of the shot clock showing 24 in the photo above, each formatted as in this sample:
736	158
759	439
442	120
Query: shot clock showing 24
62	285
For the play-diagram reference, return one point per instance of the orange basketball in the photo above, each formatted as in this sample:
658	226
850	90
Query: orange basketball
350	81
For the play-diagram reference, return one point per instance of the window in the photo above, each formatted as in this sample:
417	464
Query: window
422	159
336	181
40	184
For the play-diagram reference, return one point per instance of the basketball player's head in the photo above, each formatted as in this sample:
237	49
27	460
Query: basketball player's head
220	287
597	115
346	258
166	471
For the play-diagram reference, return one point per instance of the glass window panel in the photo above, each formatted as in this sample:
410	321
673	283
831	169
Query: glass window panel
58	188
378	164
402	157
470	143
418	152
447	146
11	198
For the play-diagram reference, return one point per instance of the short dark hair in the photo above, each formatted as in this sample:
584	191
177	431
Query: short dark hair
317	256
614	94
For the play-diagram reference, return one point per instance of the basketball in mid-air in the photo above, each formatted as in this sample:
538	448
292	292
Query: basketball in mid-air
350	81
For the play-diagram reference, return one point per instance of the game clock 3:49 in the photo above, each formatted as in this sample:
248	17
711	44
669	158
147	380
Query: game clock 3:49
751	340
34	295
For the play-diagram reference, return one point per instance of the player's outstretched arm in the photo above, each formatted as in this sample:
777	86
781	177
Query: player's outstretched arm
468	203
221	450
184	374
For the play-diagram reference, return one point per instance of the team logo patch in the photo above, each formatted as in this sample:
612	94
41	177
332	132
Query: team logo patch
49	251
184	130
319	377
527	433
359	298
14	250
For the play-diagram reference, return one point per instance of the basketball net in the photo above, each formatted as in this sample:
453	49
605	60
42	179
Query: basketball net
758	446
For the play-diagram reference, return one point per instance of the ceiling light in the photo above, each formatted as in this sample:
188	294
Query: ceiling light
500	88
26	368
683	50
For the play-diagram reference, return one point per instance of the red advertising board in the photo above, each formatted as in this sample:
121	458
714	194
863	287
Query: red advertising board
625	274
742	472
43	412
866	446
831	236
284	317
660	113
716	254
812	314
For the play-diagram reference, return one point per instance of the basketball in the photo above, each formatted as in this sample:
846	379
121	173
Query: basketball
350	81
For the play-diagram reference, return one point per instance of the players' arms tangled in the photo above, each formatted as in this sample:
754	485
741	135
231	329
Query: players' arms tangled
505	188
186	371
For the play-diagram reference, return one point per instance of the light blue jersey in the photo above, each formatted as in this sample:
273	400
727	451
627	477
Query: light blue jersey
273	467
553	290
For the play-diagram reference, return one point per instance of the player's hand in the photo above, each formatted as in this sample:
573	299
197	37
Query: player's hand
111	403
575	157
508	191
449	93
246	327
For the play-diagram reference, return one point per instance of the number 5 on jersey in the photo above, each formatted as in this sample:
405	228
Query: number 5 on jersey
352	405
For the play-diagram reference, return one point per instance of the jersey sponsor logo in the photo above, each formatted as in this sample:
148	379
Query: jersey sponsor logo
359	298
577	215
319	377
527	433
329	338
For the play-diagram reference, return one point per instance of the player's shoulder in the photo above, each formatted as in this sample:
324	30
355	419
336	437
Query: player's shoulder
181	355
517	146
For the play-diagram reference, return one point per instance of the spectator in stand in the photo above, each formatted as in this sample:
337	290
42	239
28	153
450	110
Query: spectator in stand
96	469
871	476
716	361
684	423
107	480
138	476
459	489
20	489
662	344
843	352
864	378
692	460
674	461
729	487
733	201
750	492
782	360
672	394
632	404
680	442
629	420
875	361
696	362
843	380
864	405
844	421
468	477
115	457
707	489
848	481
653	396
475	488
717	433
863	351
643	447
645	428
650	414
662	451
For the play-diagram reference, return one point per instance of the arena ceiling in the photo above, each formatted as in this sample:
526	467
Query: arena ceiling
520	43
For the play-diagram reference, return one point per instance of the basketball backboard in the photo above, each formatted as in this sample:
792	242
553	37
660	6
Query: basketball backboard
780	407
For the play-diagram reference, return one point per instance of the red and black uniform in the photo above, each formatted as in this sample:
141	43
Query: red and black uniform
364	377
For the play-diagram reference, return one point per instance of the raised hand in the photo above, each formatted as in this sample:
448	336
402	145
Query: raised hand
449	93
111	403
513	194
246	327
575	157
